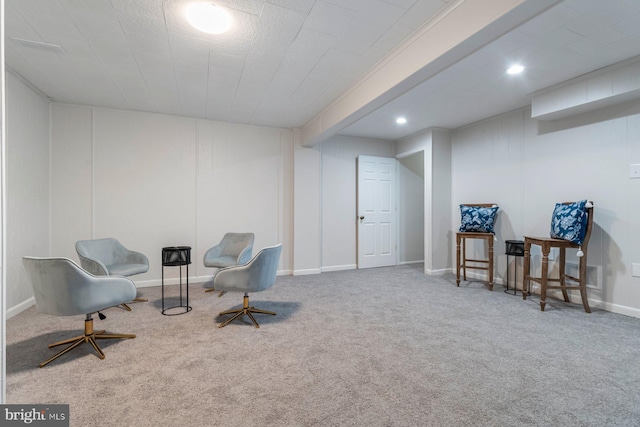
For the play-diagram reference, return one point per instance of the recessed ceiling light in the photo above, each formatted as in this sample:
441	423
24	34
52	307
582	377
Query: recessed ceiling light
515	69
401	120
208	18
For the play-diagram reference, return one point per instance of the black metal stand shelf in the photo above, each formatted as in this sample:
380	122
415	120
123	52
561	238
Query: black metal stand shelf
176	256
513	248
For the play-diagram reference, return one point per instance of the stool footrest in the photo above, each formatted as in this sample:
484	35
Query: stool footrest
471	267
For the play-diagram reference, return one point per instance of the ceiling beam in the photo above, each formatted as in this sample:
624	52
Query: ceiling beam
460	29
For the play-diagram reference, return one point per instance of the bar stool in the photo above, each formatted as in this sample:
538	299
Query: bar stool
571	226
477	223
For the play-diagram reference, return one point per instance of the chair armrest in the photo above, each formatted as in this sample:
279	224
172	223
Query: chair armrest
255	276
235	278
93	266
213	252
63	288
100	292
245	255
134	257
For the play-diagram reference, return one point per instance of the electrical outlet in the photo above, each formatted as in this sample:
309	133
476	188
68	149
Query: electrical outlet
635	269
634	171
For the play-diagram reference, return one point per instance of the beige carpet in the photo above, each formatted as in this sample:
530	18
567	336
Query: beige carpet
378	347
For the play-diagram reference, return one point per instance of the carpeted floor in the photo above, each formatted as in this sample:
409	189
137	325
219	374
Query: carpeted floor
377	347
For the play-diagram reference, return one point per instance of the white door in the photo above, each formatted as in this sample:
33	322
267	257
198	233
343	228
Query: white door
376	211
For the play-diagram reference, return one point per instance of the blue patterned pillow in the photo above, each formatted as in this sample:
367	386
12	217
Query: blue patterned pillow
569	222
478	219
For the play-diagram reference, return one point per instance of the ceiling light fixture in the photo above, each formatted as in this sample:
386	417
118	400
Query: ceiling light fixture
208	18
401	120
515	69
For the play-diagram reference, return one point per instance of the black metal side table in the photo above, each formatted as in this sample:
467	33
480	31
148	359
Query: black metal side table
176	256
513	248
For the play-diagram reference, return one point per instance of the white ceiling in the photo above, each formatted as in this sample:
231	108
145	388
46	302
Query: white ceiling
570	39
282	62
286	60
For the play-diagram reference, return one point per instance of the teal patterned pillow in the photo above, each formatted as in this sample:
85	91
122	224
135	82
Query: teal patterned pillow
569	222
478	219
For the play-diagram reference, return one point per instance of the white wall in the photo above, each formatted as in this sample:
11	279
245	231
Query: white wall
155	180
526	166
325	205
411	208
438	189
307	219
339	180
27	187
435	144
244	182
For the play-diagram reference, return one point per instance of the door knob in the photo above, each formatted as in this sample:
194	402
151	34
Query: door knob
361	218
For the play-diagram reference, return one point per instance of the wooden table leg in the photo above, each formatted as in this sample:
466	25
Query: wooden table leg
490	238
525	269
457	260
543	275
464	258
563	280
583	282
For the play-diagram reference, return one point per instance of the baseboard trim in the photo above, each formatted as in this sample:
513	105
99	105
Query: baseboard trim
307	271
411	262
618	309
574	298
192	280
480	276
171	281
338	268
17	309
439	272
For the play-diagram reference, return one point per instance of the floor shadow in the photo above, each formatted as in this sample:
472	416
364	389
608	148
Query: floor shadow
169	302
284	310
475	283
27	355
415	266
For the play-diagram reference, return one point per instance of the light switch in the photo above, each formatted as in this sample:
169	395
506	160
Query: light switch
634	171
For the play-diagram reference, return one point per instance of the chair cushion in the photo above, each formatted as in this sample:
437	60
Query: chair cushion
127	269
220	261
569	222
478	219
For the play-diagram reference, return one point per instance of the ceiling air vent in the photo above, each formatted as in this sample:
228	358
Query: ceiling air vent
47	47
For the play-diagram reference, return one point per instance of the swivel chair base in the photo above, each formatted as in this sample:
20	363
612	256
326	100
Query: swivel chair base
213	290
90	336
245	310
126	306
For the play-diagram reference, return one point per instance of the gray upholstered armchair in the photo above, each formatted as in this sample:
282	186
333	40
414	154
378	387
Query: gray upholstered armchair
233	249
108	257
62	288
255	276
